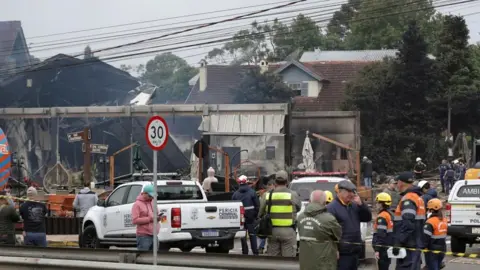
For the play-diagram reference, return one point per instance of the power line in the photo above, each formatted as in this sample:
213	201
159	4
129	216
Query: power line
156	20
126	35
141	54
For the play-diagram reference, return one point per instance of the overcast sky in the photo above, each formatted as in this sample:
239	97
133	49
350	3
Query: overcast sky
56	18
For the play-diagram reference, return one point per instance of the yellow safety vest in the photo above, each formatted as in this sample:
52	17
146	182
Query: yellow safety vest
282	209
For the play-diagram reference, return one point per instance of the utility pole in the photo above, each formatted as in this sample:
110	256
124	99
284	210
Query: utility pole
131	142
448	139
87	136
58	149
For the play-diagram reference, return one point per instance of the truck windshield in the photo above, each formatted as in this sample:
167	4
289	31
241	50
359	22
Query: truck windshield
472	191
179	192
304	189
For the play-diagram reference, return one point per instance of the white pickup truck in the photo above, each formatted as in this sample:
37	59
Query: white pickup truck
305	185
463	215
189	220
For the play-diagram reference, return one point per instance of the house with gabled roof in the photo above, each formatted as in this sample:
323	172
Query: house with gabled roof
318	80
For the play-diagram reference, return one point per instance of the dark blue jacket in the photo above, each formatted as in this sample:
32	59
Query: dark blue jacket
431	194
349	216
408	232
442	169
250	201
382	236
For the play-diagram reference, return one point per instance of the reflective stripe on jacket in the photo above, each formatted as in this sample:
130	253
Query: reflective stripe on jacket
382	231
435	231
409	219
281	212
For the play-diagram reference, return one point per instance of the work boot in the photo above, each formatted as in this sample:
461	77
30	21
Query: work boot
442	265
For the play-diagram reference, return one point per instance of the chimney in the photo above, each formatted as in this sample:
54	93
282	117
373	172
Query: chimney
263	66
203	75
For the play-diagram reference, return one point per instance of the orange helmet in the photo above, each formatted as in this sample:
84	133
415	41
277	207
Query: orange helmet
434	204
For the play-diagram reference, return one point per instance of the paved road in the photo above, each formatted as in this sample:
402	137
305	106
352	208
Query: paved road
451	262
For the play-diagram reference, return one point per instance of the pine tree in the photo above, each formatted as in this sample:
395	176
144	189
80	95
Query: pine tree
458	77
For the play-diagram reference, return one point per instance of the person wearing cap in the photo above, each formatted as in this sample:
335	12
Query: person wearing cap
33	214
207	182
8	219
391	189
350	211
409	219
84	200
250	202
319	233
367	170
142	217
285	205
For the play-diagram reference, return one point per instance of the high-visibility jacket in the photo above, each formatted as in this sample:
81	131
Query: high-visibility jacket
382	231
435	231
281	212
409	219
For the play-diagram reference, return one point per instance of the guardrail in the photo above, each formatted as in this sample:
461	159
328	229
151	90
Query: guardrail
21	263
194	260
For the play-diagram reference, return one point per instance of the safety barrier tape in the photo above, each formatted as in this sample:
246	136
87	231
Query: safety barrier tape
26	199
423	250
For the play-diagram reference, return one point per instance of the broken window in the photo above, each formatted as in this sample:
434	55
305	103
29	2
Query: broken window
270	152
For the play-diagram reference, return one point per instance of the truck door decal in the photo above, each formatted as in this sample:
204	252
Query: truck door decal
127	221
228	213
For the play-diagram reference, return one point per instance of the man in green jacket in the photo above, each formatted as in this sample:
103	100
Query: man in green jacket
319	234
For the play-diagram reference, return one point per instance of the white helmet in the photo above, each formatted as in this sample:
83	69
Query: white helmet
419	159
422	183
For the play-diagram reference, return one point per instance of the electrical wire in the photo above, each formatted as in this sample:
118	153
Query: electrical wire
141	54
306	14
121	36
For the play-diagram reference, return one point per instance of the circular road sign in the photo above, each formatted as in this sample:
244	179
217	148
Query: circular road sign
157	133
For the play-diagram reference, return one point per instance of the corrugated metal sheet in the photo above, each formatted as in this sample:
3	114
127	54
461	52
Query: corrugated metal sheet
246	124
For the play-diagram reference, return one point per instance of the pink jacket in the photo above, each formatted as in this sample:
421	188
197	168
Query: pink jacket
142	216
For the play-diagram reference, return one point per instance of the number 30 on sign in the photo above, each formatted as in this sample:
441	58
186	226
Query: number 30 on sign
157	133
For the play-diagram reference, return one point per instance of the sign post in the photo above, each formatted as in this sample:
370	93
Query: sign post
156	135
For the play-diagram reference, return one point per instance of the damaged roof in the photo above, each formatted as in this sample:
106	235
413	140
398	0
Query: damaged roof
220	79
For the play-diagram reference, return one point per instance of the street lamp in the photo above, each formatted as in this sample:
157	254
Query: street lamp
105	161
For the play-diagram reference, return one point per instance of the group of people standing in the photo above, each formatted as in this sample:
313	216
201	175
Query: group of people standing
416	223
31	212
451	172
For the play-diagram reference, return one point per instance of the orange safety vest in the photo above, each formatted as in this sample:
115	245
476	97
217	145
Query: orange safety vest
439	228
417	200
388	227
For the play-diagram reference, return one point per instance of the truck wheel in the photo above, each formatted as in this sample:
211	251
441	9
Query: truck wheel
163	247
220	249
186	249
458	245
90	239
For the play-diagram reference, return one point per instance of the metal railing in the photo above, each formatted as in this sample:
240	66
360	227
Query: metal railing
21	263
194	260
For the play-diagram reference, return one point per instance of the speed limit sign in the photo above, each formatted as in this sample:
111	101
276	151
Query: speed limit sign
157	133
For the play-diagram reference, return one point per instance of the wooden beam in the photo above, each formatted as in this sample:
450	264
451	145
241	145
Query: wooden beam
339	144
